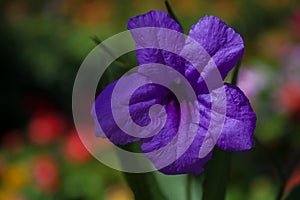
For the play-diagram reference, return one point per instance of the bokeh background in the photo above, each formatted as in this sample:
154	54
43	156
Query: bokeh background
42	46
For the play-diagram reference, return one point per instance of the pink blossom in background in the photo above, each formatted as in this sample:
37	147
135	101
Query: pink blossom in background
290	64
288	97
252	81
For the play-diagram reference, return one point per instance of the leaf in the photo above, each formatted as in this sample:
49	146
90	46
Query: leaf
143	185
174	186
294	194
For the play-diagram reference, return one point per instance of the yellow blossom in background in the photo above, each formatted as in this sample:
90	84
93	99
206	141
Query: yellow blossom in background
10	195
187	7
15	177
117	192
226	9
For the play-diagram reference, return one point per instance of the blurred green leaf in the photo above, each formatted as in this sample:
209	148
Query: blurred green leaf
143	185
294	194
173	186
85	180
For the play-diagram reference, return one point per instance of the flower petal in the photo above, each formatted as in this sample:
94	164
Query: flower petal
97	129
223	44
188	162
154	18
141	101
105	118
240	122
153	38
236	135
167	133
180	159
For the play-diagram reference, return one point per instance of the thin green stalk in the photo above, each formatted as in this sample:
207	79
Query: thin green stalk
280	191
188	186
235	75
118	61
217	175
217	172
171	13
143	185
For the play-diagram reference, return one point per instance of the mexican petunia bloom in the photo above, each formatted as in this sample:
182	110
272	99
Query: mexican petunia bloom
226	48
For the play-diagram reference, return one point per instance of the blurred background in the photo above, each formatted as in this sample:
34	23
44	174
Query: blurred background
42	46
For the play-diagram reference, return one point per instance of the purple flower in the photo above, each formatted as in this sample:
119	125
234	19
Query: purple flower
226	48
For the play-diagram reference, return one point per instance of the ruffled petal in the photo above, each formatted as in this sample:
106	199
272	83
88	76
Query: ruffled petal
240	122
151	45
180	158
97	129
154	18
104	118
222	43
189	162
142	99
237	133
167	133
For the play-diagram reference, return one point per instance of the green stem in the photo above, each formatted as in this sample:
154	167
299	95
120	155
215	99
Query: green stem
118	61
171	13
235	75
280	192
217	172
188	186
143	185
217	175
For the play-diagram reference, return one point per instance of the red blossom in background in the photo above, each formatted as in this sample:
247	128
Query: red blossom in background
46	127
288	97
74	150
45	173
295	23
